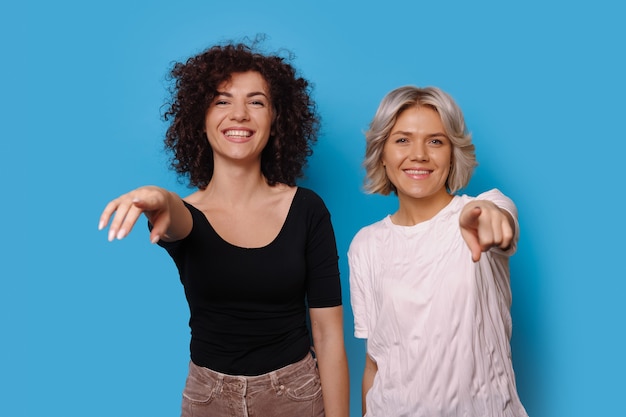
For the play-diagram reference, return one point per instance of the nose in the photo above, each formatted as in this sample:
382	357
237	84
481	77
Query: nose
239	112
418	151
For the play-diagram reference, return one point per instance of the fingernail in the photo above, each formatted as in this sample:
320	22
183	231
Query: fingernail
100	225
155	239
121	234
111	235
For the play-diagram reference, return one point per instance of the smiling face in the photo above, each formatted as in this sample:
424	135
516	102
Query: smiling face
417	156
239	120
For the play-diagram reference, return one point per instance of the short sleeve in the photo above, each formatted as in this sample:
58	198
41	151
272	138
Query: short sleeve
357	262
323	280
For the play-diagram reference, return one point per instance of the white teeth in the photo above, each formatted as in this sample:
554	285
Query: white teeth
244	133
417	171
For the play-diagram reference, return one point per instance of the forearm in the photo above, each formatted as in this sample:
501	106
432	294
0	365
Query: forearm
331	360
333	368
368	380
179	220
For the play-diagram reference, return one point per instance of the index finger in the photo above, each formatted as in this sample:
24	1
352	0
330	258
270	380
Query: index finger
107	212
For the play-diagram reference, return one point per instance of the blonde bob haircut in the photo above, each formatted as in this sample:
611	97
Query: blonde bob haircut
394	103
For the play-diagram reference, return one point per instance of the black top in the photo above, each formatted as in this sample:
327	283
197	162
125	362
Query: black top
247	306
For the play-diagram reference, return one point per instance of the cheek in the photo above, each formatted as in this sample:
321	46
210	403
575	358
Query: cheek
447	163
207	124
386	157
212	119
445	159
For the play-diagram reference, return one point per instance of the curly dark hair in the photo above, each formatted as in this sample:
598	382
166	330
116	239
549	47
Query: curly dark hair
294	129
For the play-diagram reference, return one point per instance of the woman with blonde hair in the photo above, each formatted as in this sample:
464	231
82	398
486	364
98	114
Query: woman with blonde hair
429	284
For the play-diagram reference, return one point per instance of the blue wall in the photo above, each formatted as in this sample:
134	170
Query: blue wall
91	328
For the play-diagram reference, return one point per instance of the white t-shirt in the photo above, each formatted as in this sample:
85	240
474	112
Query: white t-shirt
437	324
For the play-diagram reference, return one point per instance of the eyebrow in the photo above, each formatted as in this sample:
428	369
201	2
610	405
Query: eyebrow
252	94
405	133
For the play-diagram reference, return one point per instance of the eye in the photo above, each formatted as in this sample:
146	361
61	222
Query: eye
438	141
258	103
401	140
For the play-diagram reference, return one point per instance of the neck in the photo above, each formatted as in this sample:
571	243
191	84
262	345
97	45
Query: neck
417	210
236	185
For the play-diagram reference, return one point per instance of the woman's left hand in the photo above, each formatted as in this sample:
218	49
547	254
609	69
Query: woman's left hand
484	225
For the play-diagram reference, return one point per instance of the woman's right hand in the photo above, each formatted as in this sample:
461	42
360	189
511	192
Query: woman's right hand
155	202
485	225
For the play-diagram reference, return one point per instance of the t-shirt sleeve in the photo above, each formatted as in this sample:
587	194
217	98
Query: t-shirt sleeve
323	281
359	278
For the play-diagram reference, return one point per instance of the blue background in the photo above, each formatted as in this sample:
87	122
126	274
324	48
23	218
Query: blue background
91	328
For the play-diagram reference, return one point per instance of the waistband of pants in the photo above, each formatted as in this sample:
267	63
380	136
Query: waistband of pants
243	384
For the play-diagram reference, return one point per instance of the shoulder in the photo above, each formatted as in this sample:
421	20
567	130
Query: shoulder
368	235
492	195
196	213
194	198
305	198
499	199
304	193
495	196
374	228
194	203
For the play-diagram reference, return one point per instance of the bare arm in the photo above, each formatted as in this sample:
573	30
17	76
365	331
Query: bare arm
368	379
485	225
327	328
165	211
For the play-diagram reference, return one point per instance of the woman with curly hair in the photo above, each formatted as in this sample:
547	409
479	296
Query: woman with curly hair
429	284
255	252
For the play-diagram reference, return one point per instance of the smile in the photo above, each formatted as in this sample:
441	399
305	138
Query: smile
417	171
238	133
